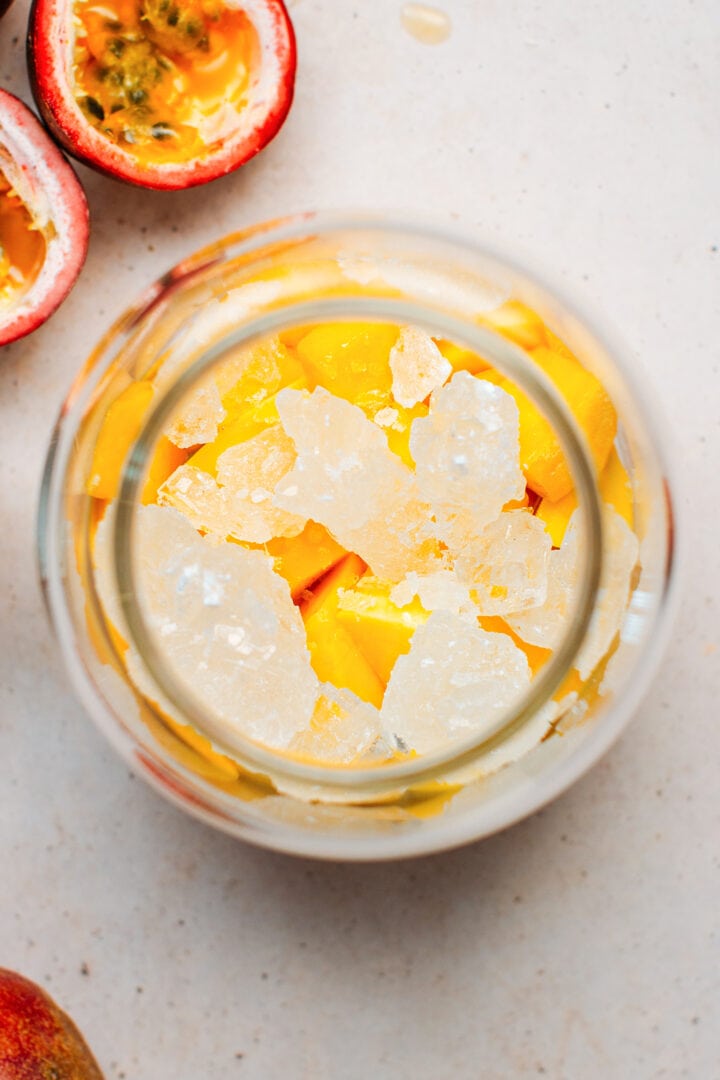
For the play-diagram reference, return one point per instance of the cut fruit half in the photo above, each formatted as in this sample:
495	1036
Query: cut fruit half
43	223
165	94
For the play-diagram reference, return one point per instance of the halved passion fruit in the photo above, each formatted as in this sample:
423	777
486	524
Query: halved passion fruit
43	222
162	93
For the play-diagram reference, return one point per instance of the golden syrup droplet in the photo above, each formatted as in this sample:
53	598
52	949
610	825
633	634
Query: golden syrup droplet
427	24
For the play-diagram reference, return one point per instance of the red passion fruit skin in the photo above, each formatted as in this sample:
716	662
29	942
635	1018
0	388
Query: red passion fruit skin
50	61
37	1039
50	190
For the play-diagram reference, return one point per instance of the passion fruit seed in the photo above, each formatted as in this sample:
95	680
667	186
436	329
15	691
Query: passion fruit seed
173	27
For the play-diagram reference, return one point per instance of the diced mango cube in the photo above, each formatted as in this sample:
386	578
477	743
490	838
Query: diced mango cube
541	455
615	488
351	360
302	559
294	335
333	652
120	428
557	344
518	322
165	460
462	359
381	630
398	434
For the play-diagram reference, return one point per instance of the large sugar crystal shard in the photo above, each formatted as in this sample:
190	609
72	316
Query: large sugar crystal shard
546	624
239	504
506	566
244	378
343	728
418	367
346	478
466	452
226	627
455	682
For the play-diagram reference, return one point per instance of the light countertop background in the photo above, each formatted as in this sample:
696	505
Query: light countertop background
580	945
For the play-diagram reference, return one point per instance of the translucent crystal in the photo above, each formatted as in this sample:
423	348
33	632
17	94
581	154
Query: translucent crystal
417	365
506	566
198	418
466	452
456	681
440	590
246	377
225	624
239	503
346	478
546	624
386	417
343	728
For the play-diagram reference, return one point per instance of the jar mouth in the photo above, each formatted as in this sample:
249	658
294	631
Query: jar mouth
380	778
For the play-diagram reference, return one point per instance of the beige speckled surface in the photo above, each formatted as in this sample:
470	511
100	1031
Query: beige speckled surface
581	945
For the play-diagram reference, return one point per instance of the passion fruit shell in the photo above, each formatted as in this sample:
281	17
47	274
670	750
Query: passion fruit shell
42	181
37	1039
264	107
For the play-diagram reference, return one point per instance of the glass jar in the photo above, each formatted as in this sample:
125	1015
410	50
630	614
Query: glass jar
268	279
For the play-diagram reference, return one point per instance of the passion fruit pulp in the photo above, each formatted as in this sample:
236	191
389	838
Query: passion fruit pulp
43	222
162	93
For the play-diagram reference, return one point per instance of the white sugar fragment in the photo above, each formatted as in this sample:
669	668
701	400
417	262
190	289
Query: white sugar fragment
545	625
506	566
226	626
418	367
455	682
346	478
440	590
342	729
253	369
198	417
387	417
467	453
239	503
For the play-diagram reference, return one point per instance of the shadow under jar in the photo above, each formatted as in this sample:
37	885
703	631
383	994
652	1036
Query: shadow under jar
357	540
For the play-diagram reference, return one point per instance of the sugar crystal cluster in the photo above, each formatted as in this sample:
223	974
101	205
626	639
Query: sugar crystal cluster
374	547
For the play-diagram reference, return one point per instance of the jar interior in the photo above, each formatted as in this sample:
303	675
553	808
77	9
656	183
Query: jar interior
293	584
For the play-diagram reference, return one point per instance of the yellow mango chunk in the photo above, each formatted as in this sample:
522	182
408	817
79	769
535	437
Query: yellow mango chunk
398	434
381	630
294	335
557	344
351	360
462	359
238	429
165	460
333	652
118	432
302	559
518	322
615	488
541	455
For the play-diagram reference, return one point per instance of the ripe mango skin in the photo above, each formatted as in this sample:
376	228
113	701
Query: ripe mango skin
37	1039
